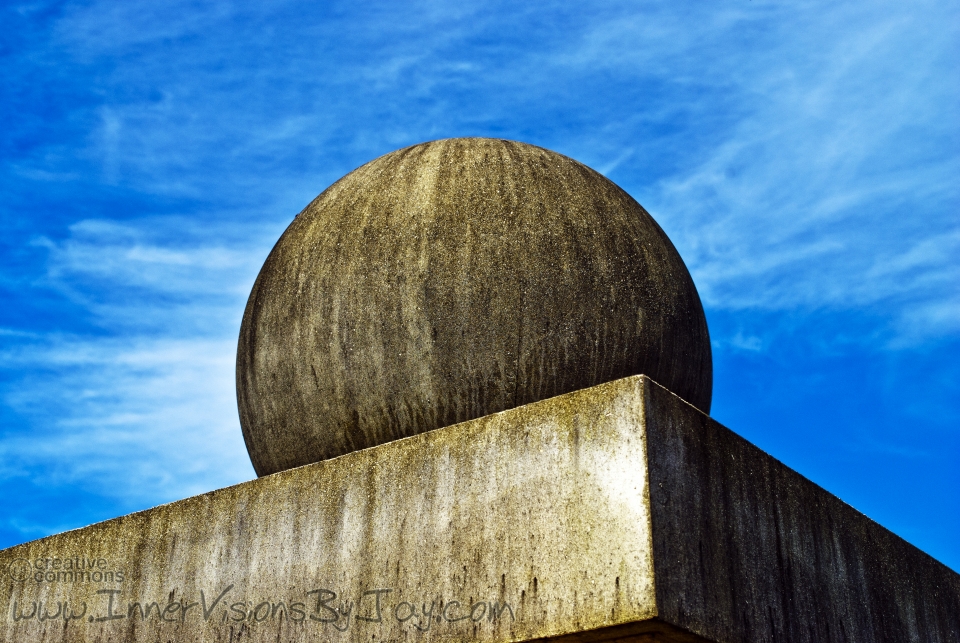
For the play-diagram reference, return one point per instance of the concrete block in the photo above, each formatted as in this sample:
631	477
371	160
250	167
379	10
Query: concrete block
617	512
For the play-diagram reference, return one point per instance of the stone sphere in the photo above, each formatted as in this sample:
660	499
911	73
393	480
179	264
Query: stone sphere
454	279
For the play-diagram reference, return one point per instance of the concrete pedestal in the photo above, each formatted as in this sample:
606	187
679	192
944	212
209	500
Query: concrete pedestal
617	512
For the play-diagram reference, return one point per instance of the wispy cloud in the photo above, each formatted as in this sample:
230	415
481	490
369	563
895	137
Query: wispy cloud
144	408
835	188
139	420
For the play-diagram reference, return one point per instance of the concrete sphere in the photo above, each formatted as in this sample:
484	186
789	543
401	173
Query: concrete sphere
454	279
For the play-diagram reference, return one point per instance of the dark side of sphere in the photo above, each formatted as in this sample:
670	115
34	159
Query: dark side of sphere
454	279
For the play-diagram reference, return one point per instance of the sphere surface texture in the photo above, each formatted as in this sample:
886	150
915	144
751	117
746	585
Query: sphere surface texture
454	279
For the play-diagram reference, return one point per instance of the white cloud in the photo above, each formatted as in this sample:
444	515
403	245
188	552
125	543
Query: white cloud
138	419
195	261
145	409
835	189
168	276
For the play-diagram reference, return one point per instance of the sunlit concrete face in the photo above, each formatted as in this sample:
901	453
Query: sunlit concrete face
530	523
451	280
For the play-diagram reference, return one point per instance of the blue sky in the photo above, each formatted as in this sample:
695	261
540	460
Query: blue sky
803	157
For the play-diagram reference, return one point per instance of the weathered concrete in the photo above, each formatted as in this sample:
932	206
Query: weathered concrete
613	513
747	549
451	280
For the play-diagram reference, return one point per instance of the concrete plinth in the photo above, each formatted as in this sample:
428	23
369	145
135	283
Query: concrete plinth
615	512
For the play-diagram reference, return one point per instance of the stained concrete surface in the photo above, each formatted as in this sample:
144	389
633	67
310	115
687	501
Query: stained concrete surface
747	549
618	512
527	524
454	279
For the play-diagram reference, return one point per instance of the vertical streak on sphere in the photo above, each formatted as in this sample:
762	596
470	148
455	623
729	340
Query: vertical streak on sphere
451	280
